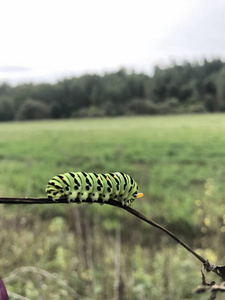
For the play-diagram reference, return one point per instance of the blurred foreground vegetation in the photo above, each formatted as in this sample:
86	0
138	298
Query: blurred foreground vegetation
186	88
101	252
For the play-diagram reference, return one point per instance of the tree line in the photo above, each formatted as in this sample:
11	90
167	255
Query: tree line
185	88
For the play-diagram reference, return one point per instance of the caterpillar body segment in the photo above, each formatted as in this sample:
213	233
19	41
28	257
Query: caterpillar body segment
127	188
123	184
81	185
115	185
126	184
107	187
75	185
97	186
86	186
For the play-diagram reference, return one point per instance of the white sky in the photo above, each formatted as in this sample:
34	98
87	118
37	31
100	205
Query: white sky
52	39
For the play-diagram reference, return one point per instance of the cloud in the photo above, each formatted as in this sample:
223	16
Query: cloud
74	37
14	69
201	34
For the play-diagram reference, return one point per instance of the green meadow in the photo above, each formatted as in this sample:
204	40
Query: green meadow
70	251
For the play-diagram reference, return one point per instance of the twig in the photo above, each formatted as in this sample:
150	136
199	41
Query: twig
212	289
117	263
208	266
41	272
153	223
17	296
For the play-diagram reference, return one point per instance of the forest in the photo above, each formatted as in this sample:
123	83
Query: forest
185	88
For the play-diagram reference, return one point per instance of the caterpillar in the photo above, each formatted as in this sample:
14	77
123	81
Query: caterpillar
81	185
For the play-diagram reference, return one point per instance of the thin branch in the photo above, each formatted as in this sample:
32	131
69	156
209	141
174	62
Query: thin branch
153	223
17	272
110	202
30	200
208	266
17	296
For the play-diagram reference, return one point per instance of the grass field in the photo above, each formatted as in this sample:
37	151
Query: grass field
178	162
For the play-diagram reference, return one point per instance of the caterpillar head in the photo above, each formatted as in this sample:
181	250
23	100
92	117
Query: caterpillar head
139	195
133	192
135	196
130	200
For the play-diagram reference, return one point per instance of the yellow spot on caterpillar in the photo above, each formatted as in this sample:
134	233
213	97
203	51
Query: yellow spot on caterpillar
63	178
98	177
114	176
107	178
139	195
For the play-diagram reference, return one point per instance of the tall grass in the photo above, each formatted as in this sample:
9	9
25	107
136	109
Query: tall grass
178	162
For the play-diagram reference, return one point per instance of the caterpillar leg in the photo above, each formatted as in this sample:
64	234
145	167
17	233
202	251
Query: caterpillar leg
107	187
72	197
123	202
101	203
128	203
83	196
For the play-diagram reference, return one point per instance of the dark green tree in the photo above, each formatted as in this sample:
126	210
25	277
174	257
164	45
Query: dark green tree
7	112
33	110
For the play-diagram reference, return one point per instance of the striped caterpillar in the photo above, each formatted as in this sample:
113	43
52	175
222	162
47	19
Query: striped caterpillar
80	185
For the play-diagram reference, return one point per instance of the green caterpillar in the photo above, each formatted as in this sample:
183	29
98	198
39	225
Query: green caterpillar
80	185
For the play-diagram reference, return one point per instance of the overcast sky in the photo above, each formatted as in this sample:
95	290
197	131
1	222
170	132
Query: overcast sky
46	40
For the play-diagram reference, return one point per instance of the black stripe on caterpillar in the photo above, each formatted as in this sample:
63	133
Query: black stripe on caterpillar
80	185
